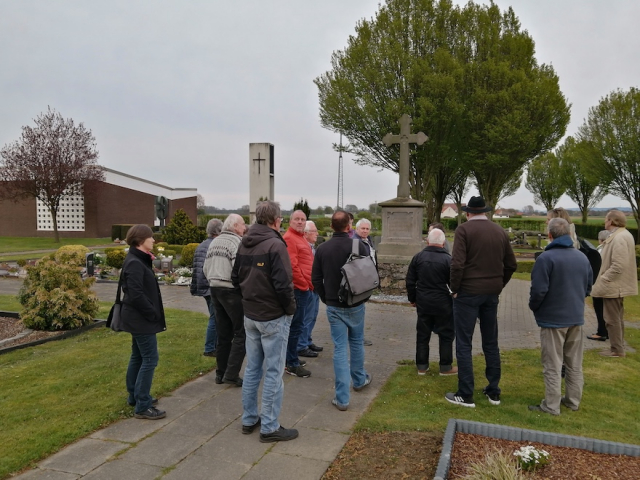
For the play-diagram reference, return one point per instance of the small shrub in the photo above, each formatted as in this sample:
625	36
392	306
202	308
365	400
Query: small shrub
186	260
21	262
158	237
55	297
74	255
115	257
177	248
533	243
181	230
170	253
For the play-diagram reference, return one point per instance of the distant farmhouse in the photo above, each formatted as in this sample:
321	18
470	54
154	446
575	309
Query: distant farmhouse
119	199
449	210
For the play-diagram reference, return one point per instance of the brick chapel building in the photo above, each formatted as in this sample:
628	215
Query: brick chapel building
119	199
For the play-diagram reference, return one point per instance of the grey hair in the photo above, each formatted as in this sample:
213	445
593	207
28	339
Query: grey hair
267	212
362	221
231	222
436	237
558	227
603	235
307	226
214	227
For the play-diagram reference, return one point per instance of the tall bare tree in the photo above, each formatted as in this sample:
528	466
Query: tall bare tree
48	162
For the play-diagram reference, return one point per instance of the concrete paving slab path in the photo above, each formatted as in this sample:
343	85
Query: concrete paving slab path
201	436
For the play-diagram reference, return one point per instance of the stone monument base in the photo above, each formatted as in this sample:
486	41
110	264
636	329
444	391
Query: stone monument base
401	230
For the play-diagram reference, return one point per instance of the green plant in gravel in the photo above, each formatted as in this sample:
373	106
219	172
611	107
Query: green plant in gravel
74	255
45	408
496	465
55	297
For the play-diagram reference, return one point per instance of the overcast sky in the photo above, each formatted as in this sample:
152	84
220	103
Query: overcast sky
174	92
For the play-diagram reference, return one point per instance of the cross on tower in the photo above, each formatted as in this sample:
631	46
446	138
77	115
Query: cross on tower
404	139
259	160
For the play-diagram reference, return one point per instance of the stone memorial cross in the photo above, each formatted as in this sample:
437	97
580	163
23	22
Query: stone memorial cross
404	139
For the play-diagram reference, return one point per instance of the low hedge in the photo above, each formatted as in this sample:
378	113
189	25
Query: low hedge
525	266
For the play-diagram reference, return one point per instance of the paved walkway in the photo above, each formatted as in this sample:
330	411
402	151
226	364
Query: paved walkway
200	437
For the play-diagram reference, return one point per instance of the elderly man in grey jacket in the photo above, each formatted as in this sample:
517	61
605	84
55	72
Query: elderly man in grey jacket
227	300
617	279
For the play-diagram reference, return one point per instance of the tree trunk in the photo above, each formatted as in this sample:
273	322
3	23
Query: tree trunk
54	216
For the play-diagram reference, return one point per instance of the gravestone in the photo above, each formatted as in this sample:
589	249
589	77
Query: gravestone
402	216
261	175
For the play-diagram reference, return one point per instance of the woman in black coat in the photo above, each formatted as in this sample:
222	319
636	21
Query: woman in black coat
143	317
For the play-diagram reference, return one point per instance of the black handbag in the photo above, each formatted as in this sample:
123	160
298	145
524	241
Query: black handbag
114	320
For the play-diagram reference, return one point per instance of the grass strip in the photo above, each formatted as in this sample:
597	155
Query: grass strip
56	393
608	411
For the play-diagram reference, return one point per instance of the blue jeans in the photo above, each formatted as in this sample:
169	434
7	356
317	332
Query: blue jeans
347	330
142	364
466	309
266	346
297	322
211	340
309	321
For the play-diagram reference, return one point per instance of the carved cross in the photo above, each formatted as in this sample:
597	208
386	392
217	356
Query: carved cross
404	139
259	160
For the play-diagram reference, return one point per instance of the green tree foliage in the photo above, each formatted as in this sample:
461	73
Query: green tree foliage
582	187
181	230
613	128
55	297
50	161
468	78
304	206
544	180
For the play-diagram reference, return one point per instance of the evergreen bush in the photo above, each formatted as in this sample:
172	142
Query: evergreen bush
186	260
55	297
181	230
115	257
74	255
525	266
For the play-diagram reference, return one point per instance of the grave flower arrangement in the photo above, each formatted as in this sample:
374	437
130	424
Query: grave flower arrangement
183	275
531	458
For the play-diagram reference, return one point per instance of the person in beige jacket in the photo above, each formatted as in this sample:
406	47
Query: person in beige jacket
617	279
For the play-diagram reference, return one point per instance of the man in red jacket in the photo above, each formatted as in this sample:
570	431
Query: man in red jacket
301	263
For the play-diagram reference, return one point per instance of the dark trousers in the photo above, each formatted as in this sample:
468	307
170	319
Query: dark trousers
297	324
142	365
442	325
598	306
466	309
230	328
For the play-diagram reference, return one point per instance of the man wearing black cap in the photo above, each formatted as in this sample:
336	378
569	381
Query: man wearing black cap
482	264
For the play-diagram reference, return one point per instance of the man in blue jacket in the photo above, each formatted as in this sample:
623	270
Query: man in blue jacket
560	281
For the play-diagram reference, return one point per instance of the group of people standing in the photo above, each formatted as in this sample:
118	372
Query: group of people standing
454	292
262	291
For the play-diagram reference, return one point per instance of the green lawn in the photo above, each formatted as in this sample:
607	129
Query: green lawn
25	244
56	393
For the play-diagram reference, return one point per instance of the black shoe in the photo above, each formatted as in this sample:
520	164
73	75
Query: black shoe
367	343
218	378
303	363
280	435
494	398
600	338
151	413
297	371
458	400
307	352
315	348
233	381
210	354
248	429
154	401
